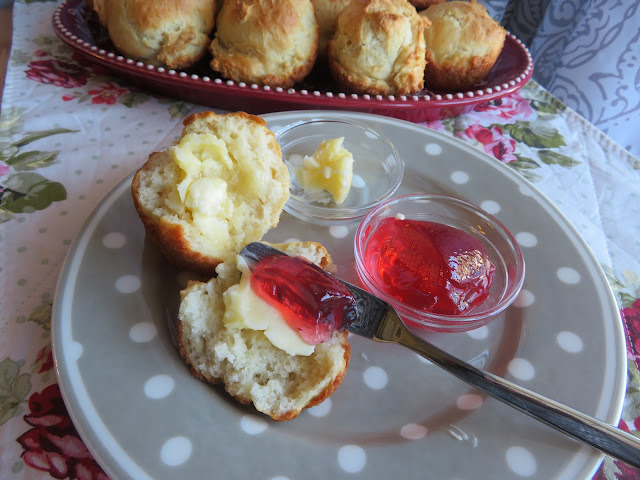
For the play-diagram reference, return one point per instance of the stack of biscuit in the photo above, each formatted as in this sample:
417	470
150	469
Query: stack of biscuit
379	47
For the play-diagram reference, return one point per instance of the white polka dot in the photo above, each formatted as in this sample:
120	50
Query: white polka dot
526	239
352	458
142	332
521	461
357	181
460	177
433	149
176	451
413	431
469	401
568	275
75	351
570	342
339	231
521	369
253	425
321	410
375	378
114	240
159	386
524	299
490	206
128	284
479	333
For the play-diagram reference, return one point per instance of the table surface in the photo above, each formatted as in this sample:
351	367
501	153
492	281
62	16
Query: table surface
58	159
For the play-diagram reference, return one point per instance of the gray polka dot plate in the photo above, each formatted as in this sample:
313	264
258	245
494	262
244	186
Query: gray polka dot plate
143	416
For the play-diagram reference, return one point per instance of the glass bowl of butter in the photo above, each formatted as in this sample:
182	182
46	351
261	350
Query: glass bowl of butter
339	169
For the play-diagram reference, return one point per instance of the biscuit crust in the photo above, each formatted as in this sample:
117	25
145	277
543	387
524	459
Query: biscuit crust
462	44
173	33
266	42
378	47
257	185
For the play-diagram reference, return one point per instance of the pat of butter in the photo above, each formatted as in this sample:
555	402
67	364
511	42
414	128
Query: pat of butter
200	155
245	309
330	168
205	164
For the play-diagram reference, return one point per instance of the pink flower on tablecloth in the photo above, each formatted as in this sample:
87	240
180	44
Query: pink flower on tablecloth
58	73
507	109
435	125
631	317
53	444
3	169
107	93
493	142
45	357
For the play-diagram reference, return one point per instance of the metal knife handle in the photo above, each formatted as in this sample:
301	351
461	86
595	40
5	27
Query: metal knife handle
574	423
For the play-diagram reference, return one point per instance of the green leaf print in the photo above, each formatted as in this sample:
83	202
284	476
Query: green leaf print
14	388
550	106
534	134
7	151
179	109
44	40
525	167
32	160
18	57
554	158
33	136
132	99
28	191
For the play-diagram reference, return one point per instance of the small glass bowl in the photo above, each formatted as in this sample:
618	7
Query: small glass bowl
377	169
501	248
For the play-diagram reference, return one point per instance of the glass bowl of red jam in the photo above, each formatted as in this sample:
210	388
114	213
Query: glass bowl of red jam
443	263
377	169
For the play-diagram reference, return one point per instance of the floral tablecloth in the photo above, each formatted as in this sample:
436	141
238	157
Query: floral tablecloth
58	158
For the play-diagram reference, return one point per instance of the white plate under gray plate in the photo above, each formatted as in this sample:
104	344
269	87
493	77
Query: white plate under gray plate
142	415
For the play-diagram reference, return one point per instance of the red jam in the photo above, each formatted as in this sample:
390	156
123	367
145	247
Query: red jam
310	300
429	266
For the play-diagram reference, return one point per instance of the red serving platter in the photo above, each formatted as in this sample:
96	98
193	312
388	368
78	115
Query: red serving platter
77	25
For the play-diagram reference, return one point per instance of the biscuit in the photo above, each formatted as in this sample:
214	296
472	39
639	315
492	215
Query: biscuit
266	42
251	368
327	12
222	186
172	34
462	44
378	47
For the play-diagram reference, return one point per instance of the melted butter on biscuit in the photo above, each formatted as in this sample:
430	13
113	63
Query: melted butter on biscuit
244	309
330	168
206	164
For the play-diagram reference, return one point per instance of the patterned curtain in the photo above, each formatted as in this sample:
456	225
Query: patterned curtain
586	53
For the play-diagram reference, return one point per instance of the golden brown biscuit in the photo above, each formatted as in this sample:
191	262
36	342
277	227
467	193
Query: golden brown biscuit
160	32
378	47
223	185
463	43
327	12
267	42
251	368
